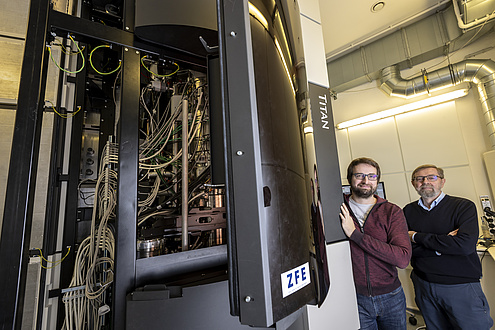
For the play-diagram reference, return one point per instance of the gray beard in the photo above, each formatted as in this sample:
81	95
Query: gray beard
361	193
427	193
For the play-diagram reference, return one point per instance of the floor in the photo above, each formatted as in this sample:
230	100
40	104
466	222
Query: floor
419	319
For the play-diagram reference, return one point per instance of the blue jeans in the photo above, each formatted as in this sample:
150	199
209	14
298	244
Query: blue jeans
383	312
452	306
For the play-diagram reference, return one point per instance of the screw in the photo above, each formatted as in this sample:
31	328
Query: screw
248	299
240	152
137	52
127	28
233	34
126	49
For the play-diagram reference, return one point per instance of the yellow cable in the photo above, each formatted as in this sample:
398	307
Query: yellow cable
56	263
70	52
64	115
58	66
156	74
91	62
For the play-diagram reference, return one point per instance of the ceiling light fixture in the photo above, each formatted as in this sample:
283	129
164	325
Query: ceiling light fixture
377	6
405	108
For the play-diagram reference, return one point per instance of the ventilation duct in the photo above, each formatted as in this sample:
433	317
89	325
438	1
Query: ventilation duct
429	38
479	72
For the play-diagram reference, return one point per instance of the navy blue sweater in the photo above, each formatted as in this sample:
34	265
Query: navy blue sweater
438	257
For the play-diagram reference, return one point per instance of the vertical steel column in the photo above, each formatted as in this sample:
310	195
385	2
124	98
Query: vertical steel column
185	170
128	141
18	212
70	223
53	195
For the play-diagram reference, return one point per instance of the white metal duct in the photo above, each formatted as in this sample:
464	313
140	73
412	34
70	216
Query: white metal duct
479	72
419	42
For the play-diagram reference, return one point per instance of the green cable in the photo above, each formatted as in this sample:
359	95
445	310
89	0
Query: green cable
91	62
58	66
156	74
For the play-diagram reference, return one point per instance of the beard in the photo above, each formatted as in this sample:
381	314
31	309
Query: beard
363	191
427	191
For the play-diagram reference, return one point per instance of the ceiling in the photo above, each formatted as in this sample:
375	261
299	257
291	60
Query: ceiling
354	23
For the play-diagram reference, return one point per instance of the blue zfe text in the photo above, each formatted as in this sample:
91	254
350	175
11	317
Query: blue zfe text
295	279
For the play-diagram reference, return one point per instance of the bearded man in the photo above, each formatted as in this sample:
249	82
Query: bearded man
379	244
446	269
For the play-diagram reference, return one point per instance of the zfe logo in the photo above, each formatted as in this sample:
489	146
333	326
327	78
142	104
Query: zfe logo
295	279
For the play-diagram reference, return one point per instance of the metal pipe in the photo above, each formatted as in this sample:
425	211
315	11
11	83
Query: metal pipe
476	21
185	182
479	72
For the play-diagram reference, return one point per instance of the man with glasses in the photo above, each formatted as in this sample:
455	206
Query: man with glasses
446	269
379	244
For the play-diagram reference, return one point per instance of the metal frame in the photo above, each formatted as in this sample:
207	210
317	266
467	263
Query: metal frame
69	227
128	140
17	218
53	196
243	166
17	221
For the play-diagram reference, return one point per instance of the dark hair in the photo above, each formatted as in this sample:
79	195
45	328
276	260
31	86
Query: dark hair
422	167
362	160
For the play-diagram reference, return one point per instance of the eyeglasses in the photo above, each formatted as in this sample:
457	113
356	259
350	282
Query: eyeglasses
361	176
431	178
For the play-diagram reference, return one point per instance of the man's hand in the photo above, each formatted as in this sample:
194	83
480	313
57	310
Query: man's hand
411	233
347	222
453	232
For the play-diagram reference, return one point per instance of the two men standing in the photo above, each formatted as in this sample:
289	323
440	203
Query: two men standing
446	269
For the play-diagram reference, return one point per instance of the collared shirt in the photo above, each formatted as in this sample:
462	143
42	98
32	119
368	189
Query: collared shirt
433	204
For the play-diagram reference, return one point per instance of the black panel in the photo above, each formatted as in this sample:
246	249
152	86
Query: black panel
184	38
328	165
200	307
216	121
288	216
269	201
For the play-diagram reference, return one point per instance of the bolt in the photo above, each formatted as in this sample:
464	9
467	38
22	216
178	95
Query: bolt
126	49
240	152
127	28
233	34
248	299
137	52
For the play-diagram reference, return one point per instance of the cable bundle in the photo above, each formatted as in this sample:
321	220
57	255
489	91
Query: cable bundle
94	264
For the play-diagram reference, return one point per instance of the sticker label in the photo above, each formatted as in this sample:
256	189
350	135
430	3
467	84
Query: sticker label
295	279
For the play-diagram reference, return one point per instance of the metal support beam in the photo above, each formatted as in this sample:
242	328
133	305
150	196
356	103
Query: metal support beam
125	251
17	218
61	24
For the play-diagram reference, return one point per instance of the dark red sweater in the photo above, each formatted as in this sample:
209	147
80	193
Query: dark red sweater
377	248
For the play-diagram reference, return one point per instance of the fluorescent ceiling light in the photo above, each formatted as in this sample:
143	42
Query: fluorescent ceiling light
404	108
